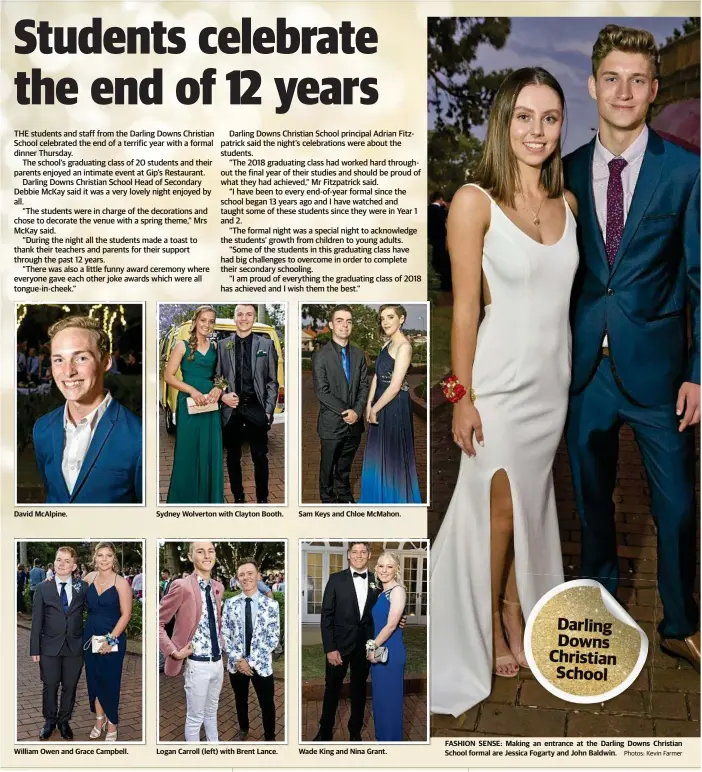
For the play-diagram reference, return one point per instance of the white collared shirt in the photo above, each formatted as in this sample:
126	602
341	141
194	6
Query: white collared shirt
361	587
633	156
77	439
69	587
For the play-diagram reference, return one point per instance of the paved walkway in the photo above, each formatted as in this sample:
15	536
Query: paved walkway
665	699
172	711
414	725
309	458
29	688
276	465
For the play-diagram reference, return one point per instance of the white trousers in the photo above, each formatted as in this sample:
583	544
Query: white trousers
203	683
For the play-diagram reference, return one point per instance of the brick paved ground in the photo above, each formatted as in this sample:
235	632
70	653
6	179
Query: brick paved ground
172	711
29	687
414	725
310	448
664	700
276	465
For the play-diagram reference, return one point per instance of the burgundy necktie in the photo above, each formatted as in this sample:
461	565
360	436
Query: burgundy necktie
615	208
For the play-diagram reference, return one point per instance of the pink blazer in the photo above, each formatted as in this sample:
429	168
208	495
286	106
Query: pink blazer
183	601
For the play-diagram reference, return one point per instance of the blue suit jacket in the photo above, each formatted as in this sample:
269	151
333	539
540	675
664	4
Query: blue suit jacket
642	300
111	471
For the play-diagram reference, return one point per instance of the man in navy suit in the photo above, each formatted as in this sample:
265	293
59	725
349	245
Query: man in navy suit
639	234
90	450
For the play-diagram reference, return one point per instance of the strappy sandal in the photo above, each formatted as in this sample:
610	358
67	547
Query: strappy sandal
505	659
96	731
111	737
519	655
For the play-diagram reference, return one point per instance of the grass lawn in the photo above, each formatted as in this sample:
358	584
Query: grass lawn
440	342
313	657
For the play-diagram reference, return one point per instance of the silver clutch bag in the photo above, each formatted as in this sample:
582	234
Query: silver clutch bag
381	654
96	644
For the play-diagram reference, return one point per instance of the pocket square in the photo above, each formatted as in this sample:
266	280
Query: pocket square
261	354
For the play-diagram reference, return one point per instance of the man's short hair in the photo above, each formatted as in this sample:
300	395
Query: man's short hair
435	196
70	551
246	562
102	341
366	544
190	545
247	305
37	562
614	37
341	307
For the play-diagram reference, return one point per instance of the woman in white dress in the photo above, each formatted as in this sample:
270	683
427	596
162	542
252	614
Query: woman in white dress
512	239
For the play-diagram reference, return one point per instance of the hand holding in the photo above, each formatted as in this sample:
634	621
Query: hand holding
372	416
105	648
183	653
350	416
214	395
466	421
334	658
198	397
370	656
231	399
688	405
243	667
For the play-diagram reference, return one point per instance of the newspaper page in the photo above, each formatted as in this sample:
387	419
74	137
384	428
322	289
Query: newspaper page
355	409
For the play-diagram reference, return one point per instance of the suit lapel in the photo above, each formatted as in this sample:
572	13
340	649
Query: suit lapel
58	439
198	599
102	432
352	590
650	173
254	349
75	594
590	221
232	360
336	359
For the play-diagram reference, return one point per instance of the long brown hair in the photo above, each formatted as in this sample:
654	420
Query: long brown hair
192	339
497	170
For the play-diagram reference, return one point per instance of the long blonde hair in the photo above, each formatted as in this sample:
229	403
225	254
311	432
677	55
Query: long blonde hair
109	546
192	339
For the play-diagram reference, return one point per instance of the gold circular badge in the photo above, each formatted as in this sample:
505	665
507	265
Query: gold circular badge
582	645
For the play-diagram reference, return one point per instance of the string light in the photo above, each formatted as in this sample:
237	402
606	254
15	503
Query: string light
21	313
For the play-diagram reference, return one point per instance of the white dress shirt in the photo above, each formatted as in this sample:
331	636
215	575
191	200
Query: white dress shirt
633	156
69	587
77	439
361	587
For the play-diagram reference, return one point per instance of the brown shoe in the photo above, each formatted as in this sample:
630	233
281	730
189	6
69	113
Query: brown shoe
688	648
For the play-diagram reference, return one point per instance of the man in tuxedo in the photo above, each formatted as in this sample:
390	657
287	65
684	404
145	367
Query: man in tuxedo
639	237
251	631
89	451
196	603
249	364
340	379
346	626
437	215
56	642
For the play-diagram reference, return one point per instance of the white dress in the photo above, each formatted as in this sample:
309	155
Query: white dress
521	375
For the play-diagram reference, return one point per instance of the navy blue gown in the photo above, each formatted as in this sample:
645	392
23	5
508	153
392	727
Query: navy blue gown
389	473
388	678
103	672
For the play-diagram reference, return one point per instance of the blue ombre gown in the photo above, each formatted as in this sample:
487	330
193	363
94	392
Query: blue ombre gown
388	678
389	470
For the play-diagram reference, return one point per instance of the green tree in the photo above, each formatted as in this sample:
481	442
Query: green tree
452	155
269	555
366	332
459	93
691	24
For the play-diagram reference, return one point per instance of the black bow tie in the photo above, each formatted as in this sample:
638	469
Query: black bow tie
360	576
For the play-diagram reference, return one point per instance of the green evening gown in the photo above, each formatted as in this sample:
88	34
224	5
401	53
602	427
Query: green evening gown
198	463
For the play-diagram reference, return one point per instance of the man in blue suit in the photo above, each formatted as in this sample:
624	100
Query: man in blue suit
90	450
639	235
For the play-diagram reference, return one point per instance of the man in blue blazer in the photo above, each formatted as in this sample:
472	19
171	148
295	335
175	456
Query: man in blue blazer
90	450
639	236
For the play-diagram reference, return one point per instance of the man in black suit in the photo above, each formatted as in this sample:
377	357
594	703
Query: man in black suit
249	364
340	379
56	641
346	626
436	235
